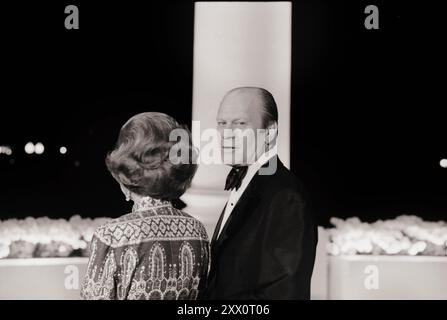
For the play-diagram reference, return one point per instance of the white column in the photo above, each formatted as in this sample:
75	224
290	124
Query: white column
237	44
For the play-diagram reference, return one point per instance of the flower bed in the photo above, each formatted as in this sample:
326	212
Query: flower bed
45	237
404	235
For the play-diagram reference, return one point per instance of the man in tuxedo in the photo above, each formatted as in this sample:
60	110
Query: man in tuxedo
264	243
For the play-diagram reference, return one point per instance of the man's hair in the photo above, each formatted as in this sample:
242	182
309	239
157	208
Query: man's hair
269	108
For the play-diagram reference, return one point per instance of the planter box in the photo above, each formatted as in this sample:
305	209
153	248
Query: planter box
344	277
41	278
387	277
52	278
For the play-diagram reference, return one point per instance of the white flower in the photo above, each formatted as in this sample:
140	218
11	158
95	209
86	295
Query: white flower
416	248
332	249
406	234
4	250
73	234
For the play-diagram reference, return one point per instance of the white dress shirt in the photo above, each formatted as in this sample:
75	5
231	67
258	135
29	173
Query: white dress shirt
235	195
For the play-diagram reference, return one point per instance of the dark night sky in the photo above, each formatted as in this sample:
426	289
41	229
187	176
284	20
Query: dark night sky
367	124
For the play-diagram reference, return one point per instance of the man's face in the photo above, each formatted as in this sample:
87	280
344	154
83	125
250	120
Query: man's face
239	120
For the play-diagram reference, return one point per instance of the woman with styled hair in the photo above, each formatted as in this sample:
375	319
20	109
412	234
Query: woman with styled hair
157	251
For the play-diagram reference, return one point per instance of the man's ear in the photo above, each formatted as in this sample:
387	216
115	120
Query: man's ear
272	132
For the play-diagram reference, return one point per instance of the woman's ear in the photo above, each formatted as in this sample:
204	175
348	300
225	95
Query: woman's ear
125	191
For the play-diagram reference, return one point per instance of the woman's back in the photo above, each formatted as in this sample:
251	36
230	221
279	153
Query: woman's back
155	252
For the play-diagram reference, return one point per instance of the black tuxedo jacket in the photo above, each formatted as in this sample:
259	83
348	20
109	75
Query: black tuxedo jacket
266	249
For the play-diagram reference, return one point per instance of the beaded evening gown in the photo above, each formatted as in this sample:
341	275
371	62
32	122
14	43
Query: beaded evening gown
155	252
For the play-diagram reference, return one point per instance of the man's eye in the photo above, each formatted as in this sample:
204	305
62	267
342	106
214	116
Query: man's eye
221	123
242	123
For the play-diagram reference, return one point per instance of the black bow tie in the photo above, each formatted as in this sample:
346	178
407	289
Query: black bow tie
234	178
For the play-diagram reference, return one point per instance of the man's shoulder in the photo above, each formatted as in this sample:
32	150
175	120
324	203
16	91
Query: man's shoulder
282	194
278	179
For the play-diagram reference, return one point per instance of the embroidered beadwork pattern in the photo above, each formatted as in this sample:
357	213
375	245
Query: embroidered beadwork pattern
136	230
155	252
99	281
149	203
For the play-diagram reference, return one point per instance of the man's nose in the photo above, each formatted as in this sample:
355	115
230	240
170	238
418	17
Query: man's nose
228	132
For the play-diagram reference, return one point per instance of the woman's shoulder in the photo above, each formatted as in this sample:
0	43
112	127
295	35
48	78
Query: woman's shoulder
115	222
133	228
180	217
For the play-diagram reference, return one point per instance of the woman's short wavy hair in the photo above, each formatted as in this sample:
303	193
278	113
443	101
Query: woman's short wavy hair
141	160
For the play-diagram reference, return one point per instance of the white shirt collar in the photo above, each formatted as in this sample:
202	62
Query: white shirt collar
251	171
254	167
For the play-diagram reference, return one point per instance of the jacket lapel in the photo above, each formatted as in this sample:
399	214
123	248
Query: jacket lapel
242	208
217	228
238	214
